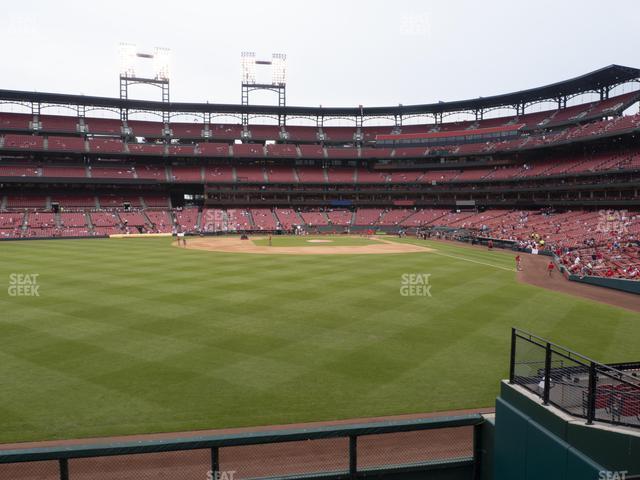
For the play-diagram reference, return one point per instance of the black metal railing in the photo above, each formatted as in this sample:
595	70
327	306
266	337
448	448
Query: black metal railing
574	383
337	452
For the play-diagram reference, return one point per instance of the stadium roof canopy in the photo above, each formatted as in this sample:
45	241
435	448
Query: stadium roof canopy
596	81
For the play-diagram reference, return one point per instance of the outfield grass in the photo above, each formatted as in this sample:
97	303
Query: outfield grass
308	241
133	336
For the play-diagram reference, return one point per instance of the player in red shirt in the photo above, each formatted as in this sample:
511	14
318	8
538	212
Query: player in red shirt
550	268
518	265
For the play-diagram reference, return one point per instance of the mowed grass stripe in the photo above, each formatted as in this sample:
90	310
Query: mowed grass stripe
135	336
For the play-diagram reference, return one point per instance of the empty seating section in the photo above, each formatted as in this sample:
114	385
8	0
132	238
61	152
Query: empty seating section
109	126
311	151
187	219
73	219
504	171
74	201
186	150
346	153
341	175
401	177
23	142
367	176
18	171
187	130
23	201
156	201
11	224
264	132
615	104
339	134
528	141
145	129
302	134
314	218
248	150
106	145
145	148
277	174
186	174
133	219
124	171
160	220
222	173
54	123
151	172
41	220
65	144
423	217
373	153
15	121
368	216
311	174
154	129
339	217
70	225
263	218
472	174
118	201
394	216
369	133
282	151
41	224
410	152
288	218
559	164
213	149
238	220
250	174
439	176
225	131
105	223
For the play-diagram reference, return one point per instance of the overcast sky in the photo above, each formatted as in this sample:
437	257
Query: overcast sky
338	52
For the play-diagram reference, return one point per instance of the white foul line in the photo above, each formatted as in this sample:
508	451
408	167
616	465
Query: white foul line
474	261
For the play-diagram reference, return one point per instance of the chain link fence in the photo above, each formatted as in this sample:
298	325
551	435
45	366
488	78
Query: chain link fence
327	452
574	383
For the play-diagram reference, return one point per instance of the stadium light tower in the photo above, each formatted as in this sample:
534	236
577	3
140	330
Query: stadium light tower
129	58
278	64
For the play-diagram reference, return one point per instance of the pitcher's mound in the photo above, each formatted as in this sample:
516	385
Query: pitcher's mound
235	245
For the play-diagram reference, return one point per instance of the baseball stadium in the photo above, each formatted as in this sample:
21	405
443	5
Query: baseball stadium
206	290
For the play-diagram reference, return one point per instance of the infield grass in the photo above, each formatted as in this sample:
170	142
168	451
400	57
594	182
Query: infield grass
136	336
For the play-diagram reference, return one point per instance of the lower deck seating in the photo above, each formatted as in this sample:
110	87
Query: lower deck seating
264	218
160	221
187	219
588	242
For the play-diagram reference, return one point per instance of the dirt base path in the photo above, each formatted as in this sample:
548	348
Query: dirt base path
535	273
235	245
